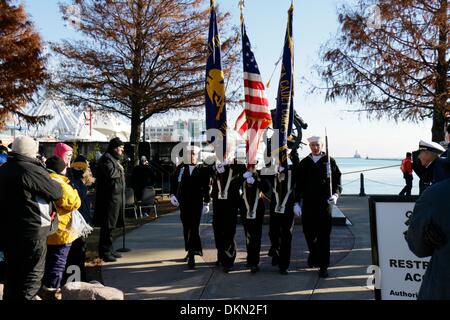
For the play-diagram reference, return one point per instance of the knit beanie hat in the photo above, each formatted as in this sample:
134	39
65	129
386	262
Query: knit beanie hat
55	164
61	149
26	146
114	143
80	163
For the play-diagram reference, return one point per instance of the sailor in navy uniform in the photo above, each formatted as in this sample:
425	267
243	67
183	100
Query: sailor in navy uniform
312	185
226	198
282	215
190	191
254	191
428	165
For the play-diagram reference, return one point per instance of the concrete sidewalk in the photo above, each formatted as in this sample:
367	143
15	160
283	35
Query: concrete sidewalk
155	269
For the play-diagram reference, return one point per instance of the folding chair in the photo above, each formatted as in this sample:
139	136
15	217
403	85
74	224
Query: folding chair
148	200
129	201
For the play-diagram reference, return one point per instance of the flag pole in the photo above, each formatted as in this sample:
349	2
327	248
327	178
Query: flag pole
328	163
241	7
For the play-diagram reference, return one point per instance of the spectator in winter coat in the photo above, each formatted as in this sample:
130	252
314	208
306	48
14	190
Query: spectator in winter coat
59	243
26	193
81	178
109	198
407	174
64	152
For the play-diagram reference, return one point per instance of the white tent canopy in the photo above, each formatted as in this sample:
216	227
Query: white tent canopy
68	124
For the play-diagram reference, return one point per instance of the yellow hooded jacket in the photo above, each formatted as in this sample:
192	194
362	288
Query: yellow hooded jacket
69	202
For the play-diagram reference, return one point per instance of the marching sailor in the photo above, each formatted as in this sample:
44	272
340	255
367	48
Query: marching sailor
190	191
315	198
254	190
282	215
226	198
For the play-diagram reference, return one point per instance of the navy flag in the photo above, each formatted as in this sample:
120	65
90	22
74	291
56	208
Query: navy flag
285	107
216	115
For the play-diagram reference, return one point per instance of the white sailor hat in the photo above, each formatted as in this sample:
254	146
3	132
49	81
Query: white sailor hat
431	146
194	148
315	139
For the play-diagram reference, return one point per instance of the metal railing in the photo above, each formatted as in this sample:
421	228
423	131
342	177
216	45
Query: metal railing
362	192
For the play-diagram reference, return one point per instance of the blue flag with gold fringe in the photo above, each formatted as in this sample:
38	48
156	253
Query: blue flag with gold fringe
285	107
216	115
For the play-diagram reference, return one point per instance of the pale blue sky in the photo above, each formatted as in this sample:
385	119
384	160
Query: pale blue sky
315	22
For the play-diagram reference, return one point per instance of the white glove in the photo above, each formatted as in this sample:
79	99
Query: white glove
333	199
220	167
250	180
205	208
174	201
297	209
248	174
280	169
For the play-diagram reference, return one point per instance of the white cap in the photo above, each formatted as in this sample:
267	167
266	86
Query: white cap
431	146
315	139
26	146
194	148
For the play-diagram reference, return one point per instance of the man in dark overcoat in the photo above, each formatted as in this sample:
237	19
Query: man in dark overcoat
110	198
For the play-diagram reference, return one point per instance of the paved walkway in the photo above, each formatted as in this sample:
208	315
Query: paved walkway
155	269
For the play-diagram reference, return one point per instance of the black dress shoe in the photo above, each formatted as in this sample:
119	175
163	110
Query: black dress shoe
108	257
116	254
191	262
284	272
323	273
254	269
227	269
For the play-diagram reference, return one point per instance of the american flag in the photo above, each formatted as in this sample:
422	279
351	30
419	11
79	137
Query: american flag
256	115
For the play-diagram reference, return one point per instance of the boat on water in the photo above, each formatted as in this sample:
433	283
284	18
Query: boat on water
357	155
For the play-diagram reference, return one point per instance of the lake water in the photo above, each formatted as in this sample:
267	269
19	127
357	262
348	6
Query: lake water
382	181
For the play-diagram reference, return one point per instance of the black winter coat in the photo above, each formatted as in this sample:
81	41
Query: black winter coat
110	193
26	193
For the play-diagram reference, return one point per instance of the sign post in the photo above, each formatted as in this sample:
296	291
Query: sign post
400	271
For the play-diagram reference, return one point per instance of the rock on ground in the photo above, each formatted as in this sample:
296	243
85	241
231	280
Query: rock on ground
90	291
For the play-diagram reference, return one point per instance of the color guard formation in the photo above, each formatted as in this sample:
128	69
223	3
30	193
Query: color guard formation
307	188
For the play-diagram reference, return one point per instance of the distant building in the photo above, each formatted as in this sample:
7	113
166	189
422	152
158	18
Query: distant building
181	130
160	134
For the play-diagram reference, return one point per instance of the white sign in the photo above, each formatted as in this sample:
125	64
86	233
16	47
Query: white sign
401	271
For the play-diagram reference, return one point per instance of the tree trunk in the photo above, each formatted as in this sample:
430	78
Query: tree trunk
135	135
441	96
437	131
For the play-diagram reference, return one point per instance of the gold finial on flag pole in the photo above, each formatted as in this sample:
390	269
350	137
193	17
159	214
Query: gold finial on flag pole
242	6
